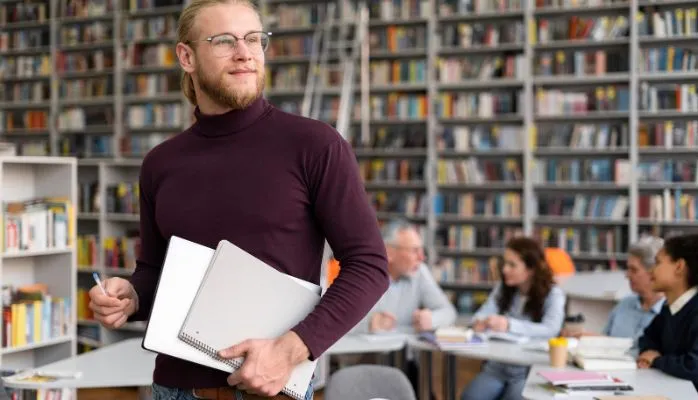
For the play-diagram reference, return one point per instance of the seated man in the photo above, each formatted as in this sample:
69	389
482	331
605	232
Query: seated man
414	301
635	312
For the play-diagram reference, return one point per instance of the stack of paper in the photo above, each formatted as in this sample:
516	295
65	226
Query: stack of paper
453	338
603	353
584	382
195	282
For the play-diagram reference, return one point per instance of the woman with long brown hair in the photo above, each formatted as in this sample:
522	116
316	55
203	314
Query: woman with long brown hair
526	302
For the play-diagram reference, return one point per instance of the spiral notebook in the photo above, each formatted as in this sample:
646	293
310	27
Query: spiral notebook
241	297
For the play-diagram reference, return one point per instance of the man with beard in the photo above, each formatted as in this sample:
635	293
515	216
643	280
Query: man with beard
275	184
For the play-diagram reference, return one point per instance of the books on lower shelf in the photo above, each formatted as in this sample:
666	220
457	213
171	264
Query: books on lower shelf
31	315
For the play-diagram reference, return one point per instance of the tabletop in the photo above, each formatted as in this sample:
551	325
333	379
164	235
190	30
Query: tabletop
127	364
643	381
501	351
121	364
369	343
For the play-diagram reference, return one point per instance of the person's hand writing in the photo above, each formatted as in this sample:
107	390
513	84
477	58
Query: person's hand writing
421	320
382	321
480	325
113	309
497	323
646	359
267	364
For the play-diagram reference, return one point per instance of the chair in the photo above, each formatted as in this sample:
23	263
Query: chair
367	381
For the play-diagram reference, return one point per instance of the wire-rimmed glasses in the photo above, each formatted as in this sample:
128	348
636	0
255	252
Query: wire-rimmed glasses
225	44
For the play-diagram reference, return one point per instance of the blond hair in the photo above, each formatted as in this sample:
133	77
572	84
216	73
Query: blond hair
185	33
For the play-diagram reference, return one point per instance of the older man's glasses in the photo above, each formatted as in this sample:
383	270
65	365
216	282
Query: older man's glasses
225	44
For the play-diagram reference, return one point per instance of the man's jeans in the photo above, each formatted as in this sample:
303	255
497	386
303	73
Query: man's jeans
167	393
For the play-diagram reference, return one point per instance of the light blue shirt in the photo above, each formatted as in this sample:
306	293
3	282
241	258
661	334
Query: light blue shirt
408	294
629	319
520	323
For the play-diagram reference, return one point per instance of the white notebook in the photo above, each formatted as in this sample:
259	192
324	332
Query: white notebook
241	297
184	267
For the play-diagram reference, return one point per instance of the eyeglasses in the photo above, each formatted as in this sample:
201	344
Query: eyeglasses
224	44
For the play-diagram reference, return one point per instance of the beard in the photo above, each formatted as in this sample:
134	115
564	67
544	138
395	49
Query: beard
227	96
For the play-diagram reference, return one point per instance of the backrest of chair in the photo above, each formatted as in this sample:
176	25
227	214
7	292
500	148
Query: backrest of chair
365	382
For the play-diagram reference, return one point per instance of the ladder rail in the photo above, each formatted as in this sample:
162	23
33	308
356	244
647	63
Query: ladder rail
349	78
319	50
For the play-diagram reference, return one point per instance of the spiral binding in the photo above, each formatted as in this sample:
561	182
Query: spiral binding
206	349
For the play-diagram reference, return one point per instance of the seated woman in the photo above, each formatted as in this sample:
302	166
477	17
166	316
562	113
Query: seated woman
670	342
631	315
526	302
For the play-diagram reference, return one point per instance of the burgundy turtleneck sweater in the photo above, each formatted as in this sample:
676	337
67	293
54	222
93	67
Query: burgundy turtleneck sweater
277	185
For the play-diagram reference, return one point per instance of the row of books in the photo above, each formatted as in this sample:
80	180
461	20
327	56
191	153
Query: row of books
119	252
581	206
478	171
472	237
37	224
32	315
503	204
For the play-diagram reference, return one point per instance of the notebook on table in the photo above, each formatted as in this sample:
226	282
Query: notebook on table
242	297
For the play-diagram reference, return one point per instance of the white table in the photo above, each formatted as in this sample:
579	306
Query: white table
643	381
594	294
127	364
355	344
121	364
510	353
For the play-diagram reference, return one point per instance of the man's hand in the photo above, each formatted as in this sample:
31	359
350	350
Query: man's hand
382	321
421	320
646	359
497	323
268	363
121	302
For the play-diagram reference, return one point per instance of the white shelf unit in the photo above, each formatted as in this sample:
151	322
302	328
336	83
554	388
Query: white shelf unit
27	178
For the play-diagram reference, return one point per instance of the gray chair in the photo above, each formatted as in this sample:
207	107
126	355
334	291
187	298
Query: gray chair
368	381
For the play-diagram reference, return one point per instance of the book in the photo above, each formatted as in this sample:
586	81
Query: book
260	302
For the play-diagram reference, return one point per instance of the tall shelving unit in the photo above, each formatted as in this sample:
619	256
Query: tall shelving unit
38	330
486	121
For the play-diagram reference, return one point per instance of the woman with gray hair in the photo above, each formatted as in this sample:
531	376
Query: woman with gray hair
633	313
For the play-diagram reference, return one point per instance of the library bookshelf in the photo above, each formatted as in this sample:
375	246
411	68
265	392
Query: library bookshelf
38	260
572	121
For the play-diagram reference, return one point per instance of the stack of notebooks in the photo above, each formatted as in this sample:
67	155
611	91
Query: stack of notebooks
197	281
603	353
453	338
583	383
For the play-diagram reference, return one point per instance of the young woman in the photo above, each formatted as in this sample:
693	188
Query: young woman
670	342
526	302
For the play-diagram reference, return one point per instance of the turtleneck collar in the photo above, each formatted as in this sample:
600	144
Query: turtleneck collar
229	122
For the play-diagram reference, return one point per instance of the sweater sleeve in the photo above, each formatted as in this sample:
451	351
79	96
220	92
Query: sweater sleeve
684	365
550	325
153	248
343	213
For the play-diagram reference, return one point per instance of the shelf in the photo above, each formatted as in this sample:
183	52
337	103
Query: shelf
34	346
36	253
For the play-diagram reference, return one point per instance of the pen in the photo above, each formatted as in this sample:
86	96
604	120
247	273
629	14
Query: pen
99	283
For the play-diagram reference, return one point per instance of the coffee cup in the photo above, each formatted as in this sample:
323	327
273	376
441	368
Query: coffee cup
557	350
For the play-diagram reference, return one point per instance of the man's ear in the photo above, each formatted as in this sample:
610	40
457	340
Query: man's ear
185	55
